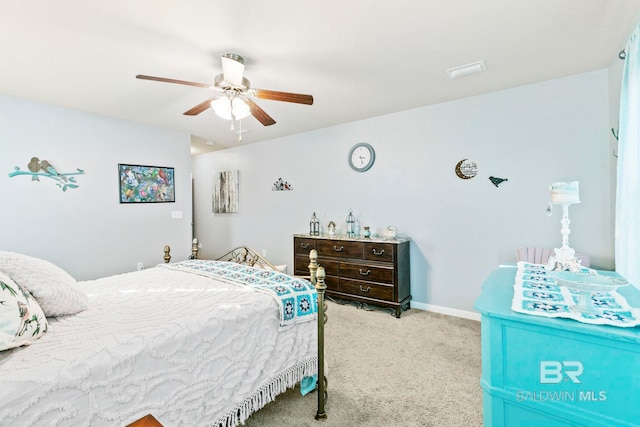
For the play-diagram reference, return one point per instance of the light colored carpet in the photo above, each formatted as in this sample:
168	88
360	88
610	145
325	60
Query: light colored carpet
420	370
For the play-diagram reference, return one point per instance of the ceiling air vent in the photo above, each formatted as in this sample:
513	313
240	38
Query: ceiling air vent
464	70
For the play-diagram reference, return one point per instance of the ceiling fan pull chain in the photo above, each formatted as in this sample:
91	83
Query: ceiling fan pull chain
233	116
240	131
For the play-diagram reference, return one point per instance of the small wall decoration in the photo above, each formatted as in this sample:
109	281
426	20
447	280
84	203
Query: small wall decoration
146	184
497	181
281	185
466	169
225	192
38	168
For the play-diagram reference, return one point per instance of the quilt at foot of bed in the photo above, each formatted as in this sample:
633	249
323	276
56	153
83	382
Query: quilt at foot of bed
269	391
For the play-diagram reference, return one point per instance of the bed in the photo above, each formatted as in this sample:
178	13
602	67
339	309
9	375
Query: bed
192	343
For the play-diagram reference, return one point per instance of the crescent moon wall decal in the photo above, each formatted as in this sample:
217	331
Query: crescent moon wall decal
466	170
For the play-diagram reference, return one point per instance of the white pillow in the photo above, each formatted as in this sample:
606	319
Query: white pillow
55	290
21	318
281	268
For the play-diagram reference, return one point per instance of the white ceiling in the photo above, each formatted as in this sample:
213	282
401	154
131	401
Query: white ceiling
358	58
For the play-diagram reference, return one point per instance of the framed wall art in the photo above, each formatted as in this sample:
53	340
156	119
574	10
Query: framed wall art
225	192
146	184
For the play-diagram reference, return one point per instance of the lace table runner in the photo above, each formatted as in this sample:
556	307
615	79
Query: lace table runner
536	292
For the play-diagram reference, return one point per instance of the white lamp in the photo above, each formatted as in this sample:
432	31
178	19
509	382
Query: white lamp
225	106
564	194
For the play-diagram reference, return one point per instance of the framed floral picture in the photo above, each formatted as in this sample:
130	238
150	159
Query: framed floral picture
146	184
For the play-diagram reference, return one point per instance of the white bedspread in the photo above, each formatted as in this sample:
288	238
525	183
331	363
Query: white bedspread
190	351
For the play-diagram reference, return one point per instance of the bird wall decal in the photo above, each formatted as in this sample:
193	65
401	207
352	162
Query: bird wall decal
46	166
37	168
34	166
497	181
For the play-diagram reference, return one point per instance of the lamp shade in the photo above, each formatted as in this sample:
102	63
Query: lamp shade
222	107
233	68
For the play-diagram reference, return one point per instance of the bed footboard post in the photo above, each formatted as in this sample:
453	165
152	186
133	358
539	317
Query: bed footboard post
167	254
194	248
313	265
322	384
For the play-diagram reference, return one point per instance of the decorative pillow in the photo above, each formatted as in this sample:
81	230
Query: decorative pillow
281	268
21	318
55	290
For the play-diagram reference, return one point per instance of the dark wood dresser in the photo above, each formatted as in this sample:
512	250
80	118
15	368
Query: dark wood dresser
368	271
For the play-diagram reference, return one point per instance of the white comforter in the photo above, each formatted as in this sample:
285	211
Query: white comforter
190	351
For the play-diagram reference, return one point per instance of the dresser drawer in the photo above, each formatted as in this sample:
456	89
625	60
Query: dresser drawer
366	289
302	246
332	282
339	248
366	272
382	252
330	267
302	266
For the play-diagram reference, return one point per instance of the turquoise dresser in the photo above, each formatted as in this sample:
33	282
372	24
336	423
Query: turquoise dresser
550	372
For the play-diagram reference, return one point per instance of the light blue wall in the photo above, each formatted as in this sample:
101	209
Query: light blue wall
85	230
461	230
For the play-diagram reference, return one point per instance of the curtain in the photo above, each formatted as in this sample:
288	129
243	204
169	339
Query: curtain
627	218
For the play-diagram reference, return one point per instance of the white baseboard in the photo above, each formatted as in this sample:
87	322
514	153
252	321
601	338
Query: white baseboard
446	310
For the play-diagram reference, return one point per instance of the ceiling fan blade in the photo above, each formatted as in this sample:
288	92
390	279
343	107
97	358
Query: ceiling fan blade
233	68
259	113
203	106
282	96
180	82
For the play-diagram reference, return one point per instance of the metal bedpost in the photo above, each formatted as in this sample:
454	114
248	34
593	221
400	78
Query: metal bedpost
322	393
313	266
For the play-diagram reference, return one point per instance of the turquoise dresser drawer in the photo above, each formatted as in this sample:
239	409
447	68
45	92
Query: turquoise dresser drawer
539	371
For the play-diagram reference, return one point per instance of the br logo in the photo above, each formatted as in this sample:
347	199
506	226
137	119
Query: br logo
553	371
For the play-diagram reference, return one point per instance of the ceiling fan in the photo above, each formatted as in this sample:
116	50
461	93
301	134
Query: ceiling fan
234	100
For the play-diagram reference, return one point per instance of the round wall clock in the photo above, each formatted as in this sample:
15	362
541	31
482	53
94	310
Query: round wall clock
361	157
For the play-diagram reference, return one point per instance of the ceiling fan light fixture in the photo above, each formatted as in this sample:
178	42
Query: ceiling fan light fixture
221	83
235	101
233	68
222	107
464	70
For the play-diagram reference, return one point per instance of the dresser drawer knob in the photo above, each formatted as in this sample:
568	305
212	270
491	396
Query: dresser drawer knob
368	288
364	273
338	249
377	253
304	245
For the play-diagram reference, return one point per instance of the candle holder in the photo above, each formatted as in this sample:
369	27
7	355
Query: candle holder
314	226
351	220
331	228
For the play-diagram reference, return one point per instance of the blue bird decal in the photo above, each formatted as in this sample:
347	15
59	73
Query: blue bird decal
38	168
34	166
46	166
